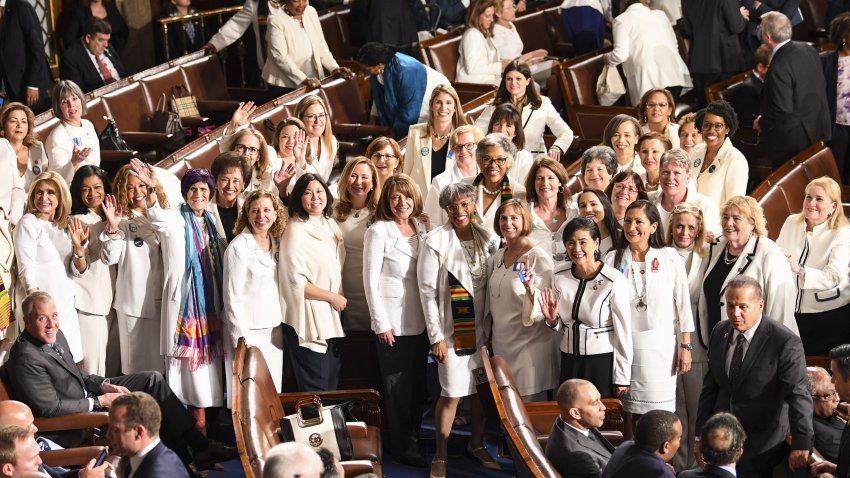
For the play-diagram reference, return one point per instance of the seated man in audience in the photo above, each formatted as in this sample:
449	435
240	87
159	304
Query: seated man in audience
19	454
292	459
91	63
840	367
133	434
827	426
747	101
657	437
44	376
575	446
722	440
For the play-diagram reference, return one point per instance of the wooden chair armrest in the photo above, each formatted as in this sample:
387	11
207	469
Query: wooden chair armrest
371	400
70	456
74	421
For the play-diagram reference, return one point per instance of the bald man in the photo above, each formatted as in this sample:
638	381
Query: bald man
575	446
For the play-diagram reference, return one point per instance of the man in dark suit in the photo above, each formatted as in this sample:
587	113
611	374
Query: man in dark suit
657	438
134	421
794	110
91	63
827	426
757	371
44	376
575	446
24	70
840	367
747	98
722	440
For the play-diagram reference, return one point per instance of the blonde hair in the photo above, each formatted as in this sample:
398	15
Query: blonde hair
833	191
682	209
119	188
63	210
328	134
279	225
458	119
263	161
750	209
342	208
467	128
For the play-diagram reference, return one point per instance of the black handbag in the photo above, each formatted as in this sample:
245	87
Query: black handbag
165	121
318	426
110	138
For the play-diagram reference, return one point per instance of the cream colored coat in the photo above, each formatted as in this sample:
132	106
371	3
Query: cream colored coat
725	177
13	187
60	146
417	158
478	60
534	123
287	53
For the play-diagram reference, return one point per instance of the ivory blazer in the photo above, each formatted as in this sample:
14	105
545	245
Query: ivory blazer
764	261
534	123
727	175
13	187
288	51
387	262
239	23
417	158
710	211
694	265
432	207
7	254
825	255
479	60
60	146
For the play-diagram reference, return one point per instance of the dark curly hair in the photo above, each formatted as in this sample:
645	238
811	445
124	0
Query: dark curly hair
719	108
839	28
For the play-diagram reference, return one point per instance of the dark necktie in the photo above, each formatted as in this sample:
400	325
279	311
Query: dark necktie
58	349
127	469
737	358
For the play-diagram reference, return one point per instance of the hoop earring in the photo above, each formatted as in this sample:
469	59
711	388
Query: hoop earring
561	189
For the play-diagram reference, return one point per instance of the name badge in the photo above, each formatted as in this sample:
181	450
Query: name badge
425	151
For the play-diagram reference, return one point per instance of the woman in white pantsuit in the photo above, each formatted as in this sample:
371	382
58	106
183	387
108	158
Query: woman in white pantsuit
452	274
478	60
252	304
131	241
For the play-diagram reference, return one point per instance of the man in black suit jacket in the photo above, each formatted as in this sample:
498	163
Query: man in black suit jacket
840	367
575	446
44	376
91	63
827	426
24	70
657	437
757	371
747	98
794	110
134	421
722	439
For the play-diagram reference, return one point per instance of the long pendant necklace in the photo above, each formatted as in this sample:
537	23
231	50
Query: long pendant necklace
641	296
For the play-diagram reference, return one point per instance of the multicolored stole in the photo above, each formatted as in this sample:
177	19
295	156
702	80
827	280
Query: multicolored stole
463	317
507	192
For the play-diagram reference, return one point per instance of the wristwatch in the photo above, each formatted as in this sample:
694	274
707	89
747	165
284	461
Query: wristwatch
688	346
96	405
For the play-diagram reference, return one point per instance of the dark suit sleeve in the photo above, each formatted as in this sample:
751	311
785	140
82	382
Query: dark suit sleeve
732	18
794	383
708	395
777	101
70	69
787	7
34	46
60	472
33	386
577	464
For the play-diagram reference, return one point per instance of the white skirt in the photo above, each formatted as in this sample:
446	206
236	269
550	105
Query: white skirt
270	343
199	388
456	379
139	338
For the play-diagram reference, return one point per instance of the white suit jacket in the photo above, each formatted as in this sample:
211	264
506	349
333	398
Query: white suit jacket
288	54
725	177
14	188
238	24
417	157
763	260
644	42
534	123
387	258
60	146
478	60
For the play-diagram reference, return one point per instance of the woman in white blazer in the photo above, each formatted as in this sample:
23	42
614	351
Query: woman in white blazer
817	244
452	272
74	141
642	37
297	51
262	157
22	157
676	188
594	204
621	134
746	250
479	60
506	119
686	234
463	143
390	254
94	289
661	316
656	112
7	260
314	113
517	87
551	207
720	171
427	153
252	301
131	242
229	171
311	256
50	250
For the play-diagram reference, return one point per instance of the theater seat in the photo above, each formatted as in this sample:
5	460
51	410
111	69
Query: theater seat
442	53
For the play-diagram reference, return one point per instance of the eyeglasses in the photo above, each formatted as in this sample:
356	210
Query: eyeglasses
500	161
383	157
629	189
826	398
242	149
458	207
680	208
466	146
652	106
320	117
713	126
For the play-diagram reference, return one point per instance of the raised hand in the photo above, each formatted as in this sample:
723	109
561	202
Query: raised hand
144	172
300	148
79	155
112	211
549	304
242	113
528	268
283	177
79	233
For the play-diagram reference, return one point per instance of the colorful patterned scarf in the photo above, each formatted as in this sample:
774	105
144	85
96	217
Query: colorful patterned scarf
198	335
463	316
507	190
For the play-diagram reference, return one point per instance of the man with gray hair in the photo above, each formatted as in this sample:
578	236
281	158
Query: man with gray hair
794	110
292	460
722	441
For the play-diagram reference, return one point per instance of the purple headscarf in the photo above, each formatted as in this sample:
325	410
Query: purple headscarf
193	176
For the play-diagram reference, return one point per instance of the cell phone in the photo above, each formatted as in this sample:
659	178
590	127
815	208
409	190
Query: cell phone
101	457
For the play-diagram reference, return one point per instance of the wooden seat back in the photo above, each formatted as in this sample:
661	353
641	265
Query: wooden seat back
442	53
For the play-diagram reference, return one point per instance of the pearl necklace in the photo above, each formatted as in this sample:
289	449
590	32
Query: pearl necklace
488	192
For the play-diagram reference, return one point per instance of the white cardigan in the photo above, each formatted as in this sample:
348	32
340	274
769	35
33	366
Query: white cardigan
388	264
727	175
60	146
288	58
825	255
478	60
534	123
644	42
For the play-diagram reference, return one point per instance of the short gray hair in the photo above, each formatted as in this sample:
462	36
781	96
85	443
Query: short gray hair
677	157
776	25
496	139
602	153
63	89
292	460
455	192
28	306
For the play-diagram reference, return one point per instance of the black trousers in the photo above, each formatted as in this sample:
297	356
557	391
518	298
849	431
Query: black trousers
840	145
314	371
403	391
596	369
822	331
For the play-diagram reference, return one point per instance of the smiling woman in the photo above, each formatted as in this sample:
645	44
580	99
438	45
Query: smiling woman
719	169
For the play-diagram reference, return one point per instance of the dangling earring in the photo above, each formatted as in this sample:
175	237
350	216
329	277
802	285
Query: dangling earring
597	256
561	189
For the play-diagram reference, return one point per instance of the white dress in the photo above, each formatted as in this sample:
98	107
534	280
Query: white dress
551	242
355	317
44	262
529	347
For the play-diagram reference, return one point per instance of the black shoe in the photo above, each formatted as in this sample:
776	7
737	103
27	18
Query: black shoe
414	459
214	453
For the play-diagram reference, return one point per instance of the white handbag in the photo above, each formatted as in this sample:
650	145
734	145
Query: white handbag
609	86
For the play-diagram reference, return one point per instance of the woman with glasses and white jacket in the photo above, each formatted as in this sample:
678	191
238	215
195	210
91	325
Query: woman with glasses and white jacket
462	143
